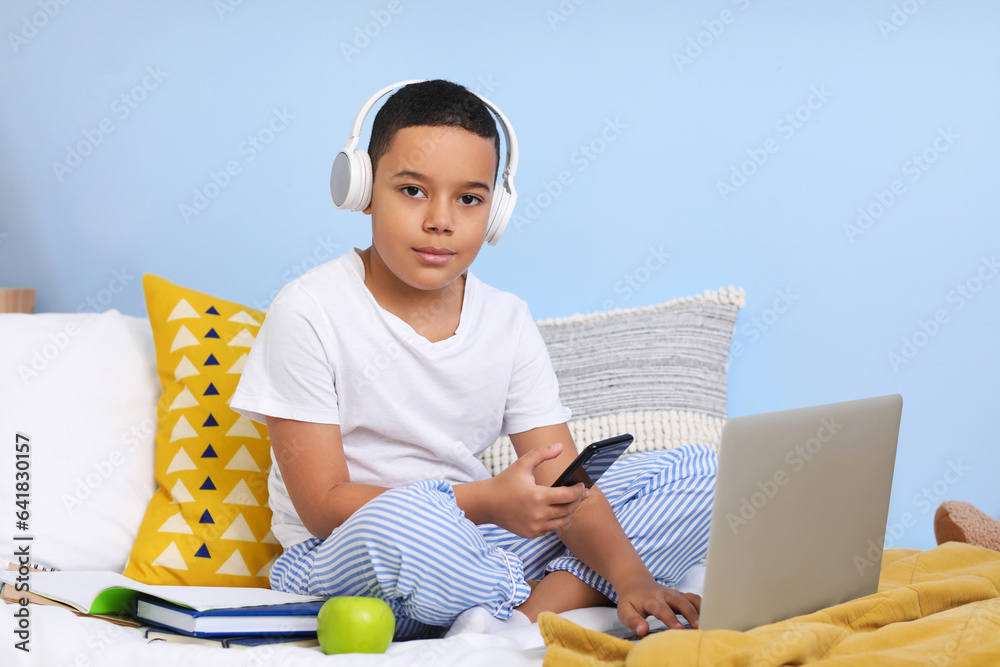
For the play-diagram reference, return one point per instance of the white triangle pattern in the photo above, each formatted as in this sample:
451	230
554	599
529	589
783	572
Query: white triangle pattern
239	530
243	317
185	369
237	368
184	338
180	494
266	570
235	565
181	461
182	430
242	460
183	311
243	428
185	399
176	524
171	558
241	495
243	339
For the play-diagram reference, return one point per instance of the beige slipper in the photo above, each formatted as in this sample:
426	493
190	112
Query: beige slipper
957	521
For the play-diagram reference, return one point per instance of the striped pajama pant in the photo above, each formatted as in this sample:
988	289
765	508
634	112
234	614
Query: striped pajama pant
414	548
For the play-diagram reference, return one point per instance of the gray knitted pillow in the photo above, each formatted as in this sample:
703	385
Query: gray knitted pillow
657	372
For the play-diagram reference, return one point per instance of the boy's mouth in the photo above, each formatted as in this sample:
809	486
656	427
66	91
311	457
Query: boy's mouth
433	255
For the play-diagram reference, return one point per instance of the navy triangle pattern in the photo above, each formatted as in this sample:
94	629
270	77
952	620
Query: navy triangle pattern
211	334
209	453
211	361
207	486
206	518
203	552
211	391
211	311
210	421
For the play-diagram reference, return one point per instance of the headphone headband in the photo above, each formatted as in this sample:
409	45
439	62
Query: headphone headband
351	176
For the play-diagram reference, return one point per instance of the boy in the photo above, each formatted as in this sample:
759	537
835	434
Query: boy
377	490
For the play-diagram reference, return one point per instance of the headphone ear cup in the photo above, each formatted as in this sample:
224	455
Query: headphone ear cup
500	212
365	180
351	180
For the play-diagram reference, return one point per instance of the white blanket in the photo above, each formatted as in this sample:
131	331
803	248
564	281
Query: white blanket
59	638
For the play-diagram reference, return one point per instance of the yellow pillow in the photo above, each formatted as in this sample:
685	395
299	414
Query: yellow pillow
208	523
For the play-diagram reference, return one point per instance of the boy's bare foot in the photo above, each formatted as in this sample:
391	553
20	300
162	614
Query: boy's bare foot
560	591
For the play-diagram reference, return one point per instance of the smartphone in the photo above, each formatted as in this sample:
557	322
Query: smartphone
594	460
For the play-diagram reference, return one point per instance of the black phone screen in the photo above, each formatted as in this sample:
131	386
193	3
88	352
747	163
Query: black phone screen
593	461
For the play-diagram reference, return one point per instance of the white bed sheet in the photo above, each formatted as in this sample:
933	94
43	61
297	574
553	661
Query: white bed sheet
59	638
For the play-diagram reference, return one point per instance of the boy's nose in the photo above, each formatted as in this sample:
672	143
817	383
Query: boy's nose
439	217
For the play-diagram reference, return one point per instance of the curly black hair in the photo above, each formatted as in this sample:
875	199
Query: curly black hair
433	103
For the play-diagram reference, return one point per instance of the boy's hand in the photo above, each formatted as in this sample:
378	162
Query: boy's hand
524	507
649	598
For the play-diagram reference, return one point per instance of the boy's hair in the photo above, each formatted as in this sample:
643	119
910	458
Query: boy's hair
434	103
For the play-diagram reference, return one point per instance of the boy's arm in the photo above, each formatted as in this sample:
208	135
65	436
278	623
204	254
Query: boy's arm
314	468
596	538
312	463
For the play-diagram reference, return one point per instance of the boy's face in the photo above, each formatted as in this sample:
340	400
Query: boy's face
430	204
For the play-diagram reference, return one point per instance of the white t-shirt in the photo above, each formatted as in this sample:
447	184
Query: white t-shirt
408	409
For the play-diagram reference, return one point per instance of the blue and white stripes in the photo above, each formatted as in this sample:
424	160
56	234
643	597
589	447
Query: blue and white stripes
413	547
663	501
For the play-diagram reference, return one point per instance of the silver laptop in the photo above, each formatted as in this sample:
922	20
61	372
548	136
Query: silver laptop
800	509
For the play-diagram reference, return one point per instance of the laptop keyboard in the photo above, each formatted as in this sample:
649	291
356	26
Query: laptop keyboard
655	625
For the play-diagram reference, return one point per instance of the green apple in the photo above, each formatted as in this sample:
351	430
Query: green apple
355	625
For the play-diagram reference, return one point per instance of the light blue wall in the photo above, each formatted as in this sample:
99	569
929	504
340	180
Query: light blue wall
889	82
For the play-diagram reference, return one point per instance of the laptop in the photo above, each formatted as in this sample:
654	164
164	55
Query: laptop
800	509
799	514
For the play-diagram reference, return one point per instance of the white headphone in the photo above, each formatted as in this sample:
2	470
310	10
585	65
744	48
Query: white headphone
351	176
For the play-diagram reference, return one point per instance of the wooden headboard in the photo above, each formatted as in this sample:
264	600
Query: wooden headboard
17	300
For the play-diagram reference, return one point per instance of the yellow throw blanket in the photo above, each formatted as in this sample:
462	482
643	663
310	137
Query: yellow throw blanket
936	607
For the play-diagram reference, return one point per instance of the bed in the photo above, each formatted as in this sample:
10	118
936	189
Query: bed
132	445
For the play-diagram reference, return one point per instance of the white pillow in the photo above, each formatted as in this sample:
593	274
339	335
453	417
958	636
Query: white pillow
83	388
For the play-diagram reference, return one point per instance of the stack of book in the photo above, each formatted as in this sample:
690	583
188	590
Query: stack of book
219	616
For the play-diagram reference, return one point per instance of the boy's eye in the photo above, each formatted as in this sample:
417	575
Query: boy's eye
412	191
470	200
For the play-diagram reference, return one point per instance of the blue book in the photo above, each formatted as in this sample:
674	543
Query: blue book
273	619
